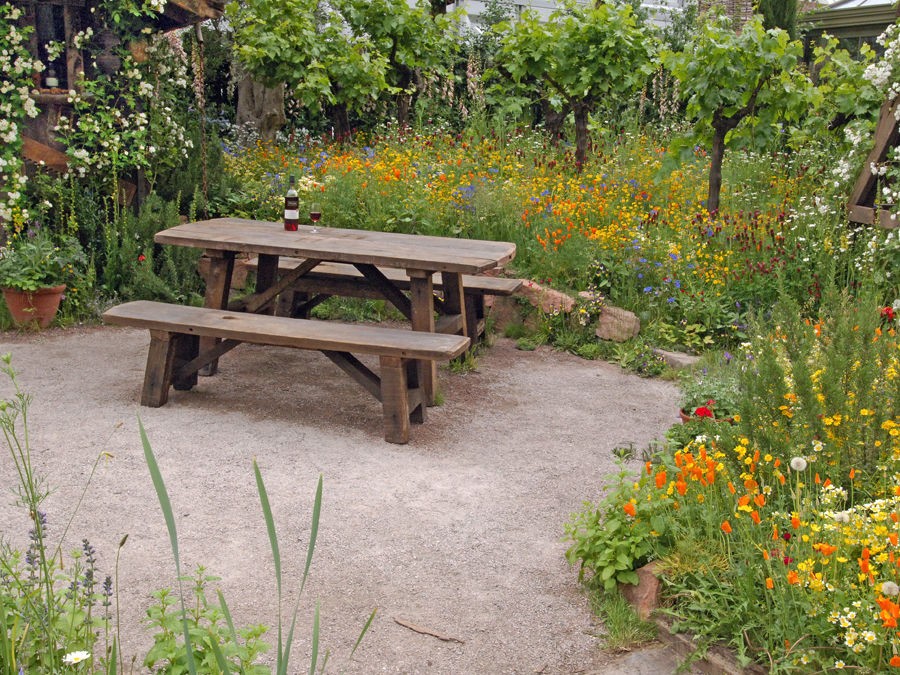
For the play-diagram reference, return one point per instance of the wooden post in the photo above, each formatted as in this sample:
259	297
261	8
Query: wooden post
394	401
219	266
422	300
158	374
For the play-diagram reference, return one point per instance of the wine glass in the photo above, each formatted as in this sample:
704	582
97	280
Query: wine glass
315	214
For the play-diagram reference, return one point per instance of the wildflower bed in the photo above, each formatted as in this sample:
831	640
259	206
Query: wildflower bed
777	534
641	237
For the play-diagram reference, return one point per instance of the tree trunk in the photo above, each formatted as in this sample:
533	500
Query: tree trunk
404	99
260	107
715	170
582	137
553	119
340	120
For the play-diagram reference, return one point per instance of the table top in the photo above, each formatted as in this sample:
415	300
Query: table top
387	249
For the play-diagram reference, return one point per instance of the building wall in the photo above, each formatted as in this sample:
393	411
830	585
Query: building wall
659	10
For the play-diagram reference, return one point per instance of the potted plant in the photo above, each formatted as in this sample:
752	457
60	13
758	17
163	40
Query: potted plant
34	268
710	395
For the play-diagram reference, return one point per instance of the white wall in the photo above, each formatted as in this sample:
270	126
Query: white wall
659	9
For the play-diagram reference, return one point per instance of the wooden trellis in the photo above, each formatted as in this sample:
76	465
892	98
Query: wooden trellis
863	204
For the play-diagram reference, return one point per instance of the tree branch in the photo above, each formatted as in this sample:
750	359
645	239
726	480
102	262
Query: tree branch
731	121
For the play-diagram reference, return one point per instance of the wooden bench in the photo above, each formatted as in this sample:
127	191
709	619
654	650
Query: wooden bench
174	357
329	278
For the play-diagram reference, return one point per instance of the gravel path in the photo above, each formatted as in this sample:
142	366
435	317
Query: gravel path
458	532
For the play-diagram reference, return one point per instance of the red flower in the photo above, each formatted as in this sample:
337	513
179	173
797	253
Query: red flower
142	257
887	314
703	411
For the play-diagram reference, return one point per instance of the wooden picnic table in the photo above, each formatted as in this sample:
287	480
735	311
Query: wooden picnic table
420	256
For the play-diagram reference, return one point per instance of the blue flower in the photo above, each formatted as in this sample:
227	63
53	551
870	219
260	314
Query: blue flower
648	289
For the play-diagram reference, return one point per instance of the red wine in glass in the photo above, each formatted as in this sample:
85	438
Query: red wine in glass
315	215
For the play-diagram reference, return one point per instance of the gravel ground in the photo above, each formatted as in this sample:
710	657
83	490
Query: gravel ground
458	533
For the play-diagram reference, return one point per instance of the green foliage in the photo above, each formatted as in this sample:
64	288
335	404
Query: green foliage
133	120
825	384
715	387
210	626
50	611
16	67
609	543
36	258
623	628
774	536
416	44
584	57
136	268
739	89
639	357
204	641
779	14
313	53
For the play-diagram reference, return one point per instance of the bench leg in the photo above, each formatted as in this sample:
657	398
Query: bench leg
394	399
186	349
158	373
415	393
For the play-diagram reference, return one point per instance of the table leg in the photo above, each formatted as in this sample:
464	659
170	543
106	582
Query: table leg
454	300
266	276
421	298
219	266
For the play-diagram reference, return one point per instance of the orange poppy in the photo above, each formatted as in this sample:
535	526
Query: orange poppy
770	583
629	509
726	527
661	479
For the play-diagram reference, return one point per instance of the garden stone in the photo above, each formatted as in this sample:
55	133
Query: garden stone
678	360
643	597
617	324
547	300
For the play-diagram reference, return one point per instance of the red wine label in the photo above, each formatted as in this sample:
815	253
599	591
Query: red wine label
291	208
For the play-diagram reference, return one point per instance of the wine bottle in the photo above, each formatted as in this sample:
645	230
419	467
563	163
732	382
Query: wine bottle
291	207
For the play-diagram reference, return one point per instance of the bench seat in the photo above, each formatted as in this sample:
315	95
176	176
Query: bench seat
174	358
330	278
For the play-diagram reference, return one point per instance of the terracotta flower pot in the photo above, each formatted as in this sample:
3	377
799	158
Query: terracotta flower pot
30	308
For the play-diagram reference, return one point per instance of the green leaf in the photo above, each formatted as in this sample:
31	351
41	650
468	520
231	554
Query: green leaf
166	506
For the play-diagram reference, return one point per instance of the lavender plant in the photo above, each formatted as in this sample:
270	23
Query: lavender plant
51	614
